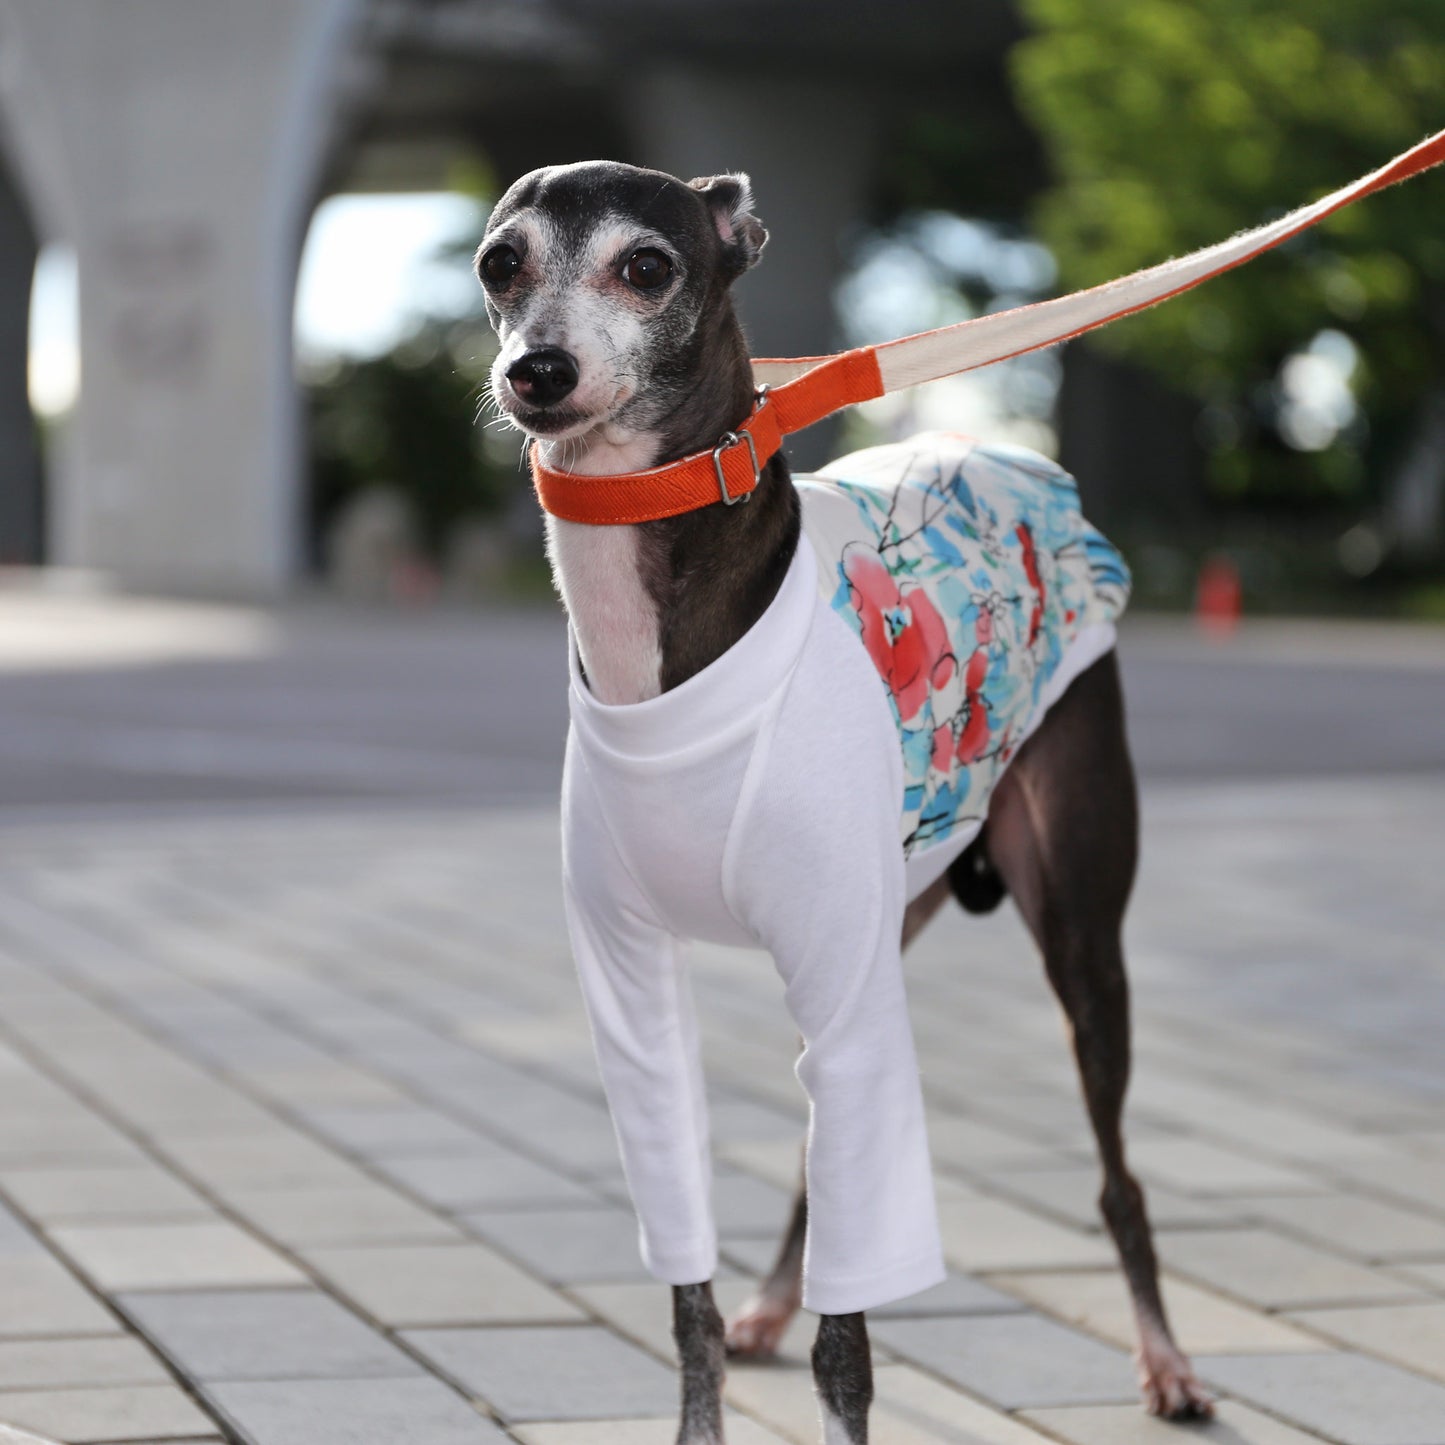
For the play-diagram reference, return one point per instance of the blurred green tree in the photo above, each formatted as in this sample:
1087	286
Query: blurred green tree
1170	124
406	420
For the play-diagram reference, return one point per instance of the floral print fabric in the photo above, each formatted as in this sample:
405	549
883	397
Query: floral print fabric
966	570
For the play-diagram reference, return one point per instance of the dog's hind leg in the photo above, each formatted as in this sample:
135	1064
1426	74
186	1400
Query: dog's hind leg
1063	835
843	1378
755	1329
697	1328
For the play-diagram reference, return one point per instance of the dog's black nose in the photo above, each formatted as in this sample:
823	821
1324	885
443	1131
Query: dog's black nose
543	377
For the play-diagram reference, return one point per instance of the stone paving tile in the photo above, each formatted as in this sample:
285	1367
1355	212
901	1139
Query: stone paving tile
1262	1128
172	1256
1412	1335
589	1150
1278	1273
781	1396
1344	1397
972	1146
55	1196
1364	1229
1409	1180
779	1161
738	1429
575	1246
79	1417
910	1408
990	1234
322	1084
1432	1276
959	1294
1199	1167
17	1437
263	1335
571	1372
56	1138
274	1159
915	1409
438	1284
351	1412
1204	1323
1072	1195
745	1205
368	1214
1233	1424
737	1119
494	1178
42	1297
379	1132
533	1110
50	1364
1014	1361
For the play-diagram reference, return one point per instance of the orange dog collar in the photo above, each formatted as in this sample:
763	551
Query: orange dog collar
727	473
797	392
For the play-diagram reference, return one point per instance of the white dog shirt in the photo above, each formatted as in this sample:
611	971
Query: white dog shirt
760	804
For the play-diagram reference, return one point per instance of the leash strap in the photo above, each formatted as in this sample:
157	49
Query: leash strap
795	392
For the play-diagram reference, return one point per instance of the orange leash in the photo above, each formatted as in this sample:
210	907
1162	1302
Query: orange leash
796	392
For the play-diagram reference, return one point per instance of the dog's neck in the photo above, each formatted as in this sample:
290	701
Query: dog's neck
653	604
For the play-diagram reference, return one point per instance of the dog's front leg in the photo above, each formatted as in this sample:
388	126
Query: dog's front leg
843	1378
698	1329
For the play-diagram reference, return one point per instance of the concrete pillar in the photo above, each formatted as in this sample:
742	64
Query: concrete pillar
809	148
20	478
175	144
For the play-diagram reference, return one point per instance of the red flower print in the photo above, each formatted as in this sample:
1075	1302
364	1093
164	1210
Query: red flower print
902	631
943	748
973	740
1031	571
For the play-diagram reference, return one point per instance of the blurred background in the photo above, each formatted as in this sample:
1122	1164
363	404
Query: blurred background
240	346
257	542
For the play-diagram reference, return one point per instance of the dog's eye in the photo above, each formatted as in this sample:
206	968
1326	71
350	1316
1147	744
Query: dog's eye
648	269
500	264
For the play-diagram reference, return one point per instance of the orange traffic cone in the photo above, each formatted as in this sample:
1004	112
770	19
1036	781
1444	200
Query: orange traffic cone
1218	597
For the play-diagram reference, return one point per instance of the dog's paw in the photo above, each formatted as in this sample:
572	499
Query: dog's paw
756	1330
1168	1382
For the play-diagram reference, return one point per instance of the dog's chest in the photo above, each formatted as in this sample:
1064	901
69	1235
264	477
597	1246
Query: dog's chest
613	616
976	588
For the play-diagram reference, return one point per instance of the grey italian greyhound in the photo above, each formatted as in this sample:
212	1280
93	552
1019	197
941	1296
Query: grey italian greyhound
609	288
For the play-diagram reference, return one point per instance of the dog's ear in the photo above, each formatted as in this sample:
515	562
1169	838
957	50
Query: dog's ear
730	200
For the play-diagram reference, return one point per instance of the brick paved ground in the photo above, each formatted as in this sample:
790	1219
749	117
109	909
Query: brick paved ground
300	1141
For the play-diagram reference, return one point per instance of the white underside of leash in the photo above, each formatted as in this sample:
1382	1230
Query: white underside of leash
986	339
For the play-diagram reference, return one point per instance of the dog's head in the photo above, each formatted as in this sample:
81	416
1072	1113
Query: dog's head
601	280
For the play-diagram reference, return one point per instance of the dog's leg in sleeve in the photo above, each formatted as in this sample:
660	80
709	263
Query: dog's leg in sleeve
644	1029
828	903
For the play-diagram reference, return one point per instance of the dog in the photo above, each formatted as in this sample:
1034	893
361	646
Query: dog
734	768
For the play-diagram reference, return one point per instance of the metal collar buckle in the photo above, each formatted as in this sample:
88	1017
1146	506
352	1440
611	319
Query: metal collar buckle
732	439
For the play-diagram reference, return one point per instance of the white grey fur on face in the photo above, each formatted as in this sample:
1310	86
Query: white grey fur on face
569	305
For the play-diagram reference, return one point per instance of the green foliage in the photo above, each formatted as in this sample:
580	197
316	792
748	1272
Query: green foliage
407	420
1171	124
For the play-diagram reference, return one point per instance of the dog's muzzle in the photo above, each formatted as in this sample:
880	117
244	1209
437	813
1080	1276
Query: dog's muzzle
543	377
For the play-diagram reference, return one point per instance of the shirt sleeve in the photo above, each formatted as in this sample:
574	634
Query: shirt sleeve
644	1031
818	871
